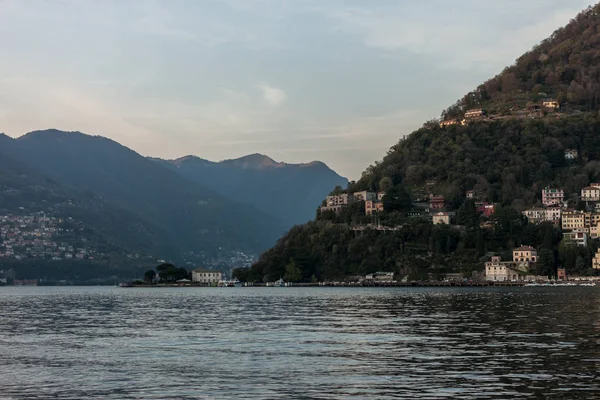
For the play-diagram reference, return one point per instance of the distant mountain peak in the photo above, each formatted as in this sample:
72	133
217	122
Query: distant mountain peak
253	161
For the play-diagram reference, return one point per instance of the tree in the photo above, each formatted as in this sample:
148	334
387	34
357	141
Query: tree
292	272
149	276
385	184
397	199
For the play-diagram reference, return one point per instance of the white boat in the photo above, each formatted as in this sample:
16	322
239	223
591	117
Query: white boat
588	284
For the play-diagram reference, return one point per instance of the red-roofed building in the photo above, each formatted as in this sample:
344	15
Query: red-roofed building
436	202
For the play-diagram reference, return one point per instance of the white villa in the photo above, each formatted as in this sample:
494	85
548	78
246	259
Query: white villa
200	275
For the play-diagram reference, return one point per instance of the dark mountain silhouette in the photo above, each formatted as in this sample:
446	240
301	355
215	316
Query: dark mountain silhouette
189	219
290	192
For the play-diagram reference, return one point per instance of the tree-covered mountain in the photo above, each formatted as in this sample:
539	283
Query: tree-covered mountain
506	156
565	66
176	217
290	192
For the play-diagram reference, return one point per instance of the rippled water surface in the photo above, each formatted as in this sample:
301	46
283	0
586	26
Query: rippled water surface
113	343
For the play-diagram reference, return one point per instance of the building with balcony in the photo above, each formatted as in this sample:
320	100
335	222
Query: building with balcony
551	197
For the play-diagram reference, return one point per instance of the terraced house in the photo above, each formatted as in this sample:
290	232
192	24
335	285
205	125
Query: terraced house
552	196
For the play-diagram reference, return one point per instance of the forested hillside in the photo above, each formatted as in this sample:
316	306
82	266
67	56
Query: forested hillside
505	157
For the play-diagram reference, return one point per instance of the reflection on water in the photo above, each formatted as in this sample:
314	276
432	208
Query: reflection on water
429	343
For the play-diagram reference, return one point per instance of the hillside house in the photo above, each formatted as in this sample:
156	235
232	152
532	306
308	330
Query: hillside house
441	218
596	260
380	196
551	197
485	208
535	215
577	236
339	200
436	202
372	206
364	195
539	215
573	219
525	254
200	275
551	104
590	193
561	274
475	113
570	154
594	231
448	122
471	194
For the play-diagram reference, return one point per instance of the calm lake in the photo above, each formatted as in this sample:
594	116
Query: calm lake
326	343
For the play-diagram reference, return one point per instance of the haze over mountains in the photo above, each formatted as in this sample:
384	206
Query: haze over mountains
168	209
290	192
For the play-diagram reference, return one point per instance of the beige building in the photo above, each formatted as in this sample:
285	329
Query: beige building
339	200
590	193
550	103
372	206
524	254
475	113
573	219
535	215
201	275
441	218
595	231
448	122
502	271
596	260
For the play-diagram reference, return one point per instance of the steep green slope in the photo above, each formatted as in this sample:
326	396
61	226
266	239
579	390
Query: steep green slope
565	66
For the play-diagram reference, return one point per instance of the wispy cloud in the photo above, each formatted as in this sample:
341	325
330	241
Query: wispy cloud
274	96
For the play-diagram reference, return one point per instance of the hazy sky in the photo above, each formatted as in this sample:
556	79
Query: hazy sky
299	80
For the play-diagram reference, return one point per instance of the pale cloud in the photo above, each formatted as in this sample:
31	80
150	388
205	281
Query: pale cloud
273	95
452	36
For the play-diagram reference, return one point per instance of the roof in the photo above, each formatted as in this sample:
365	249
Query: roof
591	188
524	248
204	270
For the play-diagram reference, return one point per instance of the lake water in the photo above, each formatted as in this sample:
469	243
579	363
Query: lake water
424	343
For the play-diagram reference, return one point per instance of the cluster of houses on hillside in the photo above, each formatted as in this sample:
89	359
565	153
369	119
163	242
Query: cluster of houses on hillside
578	226
39	236
531	110
336	203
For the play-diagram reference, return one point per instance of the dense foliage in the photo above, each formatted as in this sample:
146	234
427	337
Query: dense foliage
507	161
